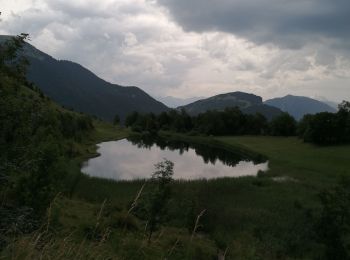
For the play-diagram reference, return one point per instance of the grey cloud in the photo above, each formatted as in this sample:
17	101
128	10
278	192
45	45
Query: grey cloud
96	9
134	42
286	23
81	10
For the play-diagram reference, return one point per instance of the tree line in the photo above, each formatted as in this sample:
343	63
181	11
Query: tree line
327	128
321	128
231	121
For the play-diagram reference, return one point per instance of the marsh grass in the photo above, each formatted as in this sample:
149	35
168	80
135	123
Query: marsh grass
79	230
197	225
258	210
46	243
245	218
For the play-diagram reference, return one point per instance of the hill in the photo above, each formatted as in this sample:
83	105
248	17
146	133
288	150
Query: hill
37	140
298	106
74	86
247	103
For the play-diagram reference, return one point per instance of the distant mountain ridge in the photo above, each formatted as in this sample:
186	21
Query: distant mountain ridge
174	102
330	103
247	103
298	106
74	86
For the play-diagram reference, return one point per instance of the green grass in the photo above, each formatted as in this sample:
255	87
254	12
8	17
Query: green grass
254	217
251	215
315	165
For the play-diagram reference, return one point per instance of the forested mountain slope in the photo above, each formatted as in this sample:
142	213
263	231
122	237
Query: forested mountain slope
74	86
247	103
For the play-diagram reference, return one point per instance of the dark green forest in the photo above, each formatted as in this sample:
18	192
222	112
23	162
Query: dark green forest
327	128
322	128
231	121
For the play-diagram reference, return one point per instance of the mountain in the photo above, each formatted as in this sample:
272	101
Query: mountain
299	106
74	86
327	101
247	103
332	104
174	102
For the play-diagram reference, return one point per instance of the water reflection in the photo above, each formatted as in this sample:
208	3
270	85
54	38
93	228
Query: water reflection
134	158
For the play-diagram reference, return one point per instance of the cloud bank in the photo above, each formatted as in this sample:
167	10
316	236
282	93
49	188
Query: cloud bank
197	47
289	24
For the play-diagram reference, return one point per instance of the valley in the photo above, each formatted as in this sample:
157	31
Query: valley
227	177
244	226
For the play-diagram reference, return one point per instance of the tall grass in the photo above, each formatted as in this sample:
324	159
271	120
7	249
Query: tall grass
248	217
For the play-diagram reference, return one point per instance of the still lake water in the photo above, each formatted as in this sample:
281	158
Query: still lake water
134	158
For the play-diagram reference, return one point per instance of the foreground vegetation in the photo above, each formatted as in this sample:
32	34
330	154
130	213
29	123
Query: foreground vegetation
274	215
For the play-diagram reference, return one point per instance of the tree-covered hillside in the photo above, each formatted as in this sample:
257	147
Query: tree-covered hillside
74	86
37	138
247	103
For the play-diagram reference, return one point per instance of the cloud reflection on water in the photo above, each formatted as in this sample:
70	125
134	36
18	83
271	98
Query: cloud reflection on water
123	160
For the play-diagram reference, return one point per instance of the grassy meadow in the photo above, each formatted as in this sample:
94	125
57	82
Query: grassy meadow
307	163
250	215
269	216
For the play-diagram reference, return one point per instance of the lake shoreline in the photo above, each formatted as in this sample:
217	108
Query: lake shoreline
134	158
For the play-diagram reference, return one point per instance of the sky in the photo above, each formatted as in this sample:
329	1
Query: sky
189	48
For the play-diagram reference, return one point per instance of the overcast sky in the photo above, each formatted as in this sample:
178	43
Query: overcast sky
188	48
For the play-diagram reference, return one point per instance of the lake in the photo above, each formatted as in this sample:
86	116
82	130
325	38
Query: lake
134	158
